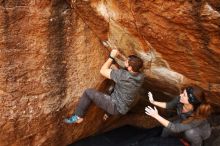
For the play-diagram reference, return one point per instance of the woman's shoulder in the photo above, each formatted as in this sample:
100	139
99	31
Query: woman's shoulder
200	122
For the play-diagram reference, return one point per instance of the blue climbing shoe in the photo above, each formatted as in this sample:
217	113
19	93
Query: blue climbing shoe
72	119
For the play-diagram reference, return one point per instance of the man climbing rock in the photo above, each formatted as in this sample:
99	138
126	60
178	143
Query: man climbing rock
127	84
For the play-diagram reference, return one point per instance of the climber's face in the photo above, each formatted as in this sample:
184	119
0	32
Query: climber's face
126	63
128	67
184	97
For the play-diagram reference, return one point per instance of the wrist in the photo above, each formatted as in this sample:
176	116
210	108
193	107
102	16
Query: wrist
157	116
111	57
153	102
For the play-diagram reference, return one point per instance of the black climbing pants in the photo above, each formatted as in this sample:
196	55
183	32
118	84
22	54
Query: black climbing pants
102	100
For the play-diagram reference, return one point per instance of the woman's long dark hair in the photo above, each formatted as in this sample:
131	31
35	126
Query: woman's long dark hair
201	110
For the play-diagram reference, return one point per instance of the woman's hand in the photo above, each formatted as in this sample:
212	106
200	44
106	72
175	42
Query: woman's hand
154	113
150	96
151	112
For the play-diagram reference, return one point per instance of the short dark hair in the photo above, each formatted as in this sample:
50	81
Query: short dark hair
135	62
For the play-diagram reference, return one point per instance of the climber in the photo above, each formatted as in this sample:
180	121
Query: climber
192	110
127	84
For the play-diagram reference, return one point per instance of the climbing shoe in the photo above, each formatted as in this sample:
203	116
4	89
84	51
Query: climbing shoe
72	119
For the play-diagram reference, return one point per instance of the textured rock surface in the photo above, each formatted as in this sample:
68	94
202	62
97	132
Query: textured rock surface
50	53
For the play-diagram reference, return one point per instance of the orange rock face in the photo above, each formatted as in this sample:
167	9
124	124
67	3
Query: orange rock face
51	50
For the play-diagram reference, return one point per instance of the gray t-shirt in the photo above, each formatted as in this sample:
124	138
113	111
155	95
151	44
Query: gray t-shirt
126	88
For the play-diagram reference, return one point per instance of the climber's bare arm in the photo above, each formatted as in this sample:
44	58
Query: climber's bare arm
105	69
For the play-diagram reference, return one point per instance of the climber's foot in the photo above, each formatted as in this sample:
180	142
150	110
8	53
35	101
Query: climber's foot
73	119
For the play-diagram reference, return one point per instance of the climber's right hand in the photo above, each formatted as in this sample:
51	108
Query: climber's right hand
114	53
